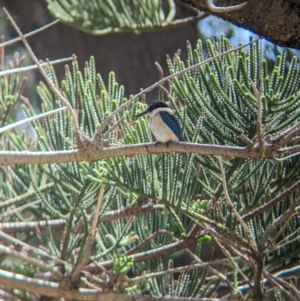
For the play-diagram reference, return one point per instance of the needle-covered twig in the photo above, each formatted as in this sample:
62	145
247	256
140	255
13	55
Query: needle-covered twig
77	132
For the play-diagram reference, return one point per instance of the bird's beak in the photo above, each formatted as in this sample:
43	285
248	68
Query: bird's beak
142	114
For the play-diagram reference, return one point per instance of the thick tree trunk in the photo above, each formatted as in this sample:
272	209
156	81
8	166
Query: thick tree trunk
275	20
131	56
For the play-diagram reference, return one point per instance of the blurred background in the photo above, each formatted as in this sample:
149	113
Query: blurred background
131	56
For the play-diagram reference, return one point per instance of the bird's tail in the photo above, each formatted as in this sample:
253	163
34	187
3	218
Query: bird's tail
184	158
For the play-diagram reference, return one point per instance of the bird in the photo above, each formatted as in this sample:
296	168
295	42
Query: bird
164	125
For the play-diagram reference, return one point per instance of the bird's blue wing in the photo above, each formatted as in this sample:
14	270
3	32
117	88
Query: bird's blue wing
172	122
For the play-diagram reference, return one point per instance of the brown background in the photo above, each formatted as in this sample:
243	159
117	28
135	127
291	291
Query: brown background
131	56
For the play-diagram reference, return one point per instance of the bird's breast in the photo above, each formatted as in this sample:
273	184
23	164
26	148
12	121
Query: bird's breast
161	131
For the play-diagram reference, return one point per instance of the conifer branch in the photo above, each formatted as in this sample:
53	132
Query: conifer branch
32	67
158	252
90	239
280	220
265	207
27	35
214	102
35	117
50	83
225	9
92	152
108	120
41	287
26	246
18	209
282	285
232	208
230	259
178	270
23	257
127	212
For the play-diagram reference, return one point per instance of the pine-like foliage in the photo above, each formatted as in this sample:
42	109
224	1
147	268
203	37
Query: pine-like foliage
179	208
116	15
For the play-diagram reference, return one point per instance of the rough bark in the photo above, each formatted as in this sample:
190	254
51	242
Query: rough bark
275	20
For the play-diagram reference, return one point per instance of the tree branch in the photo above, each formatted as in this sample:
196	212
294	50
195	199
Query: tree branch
93	152
280	220
27	35
23	257
61	223
265	207
90	239
32	67
50	83
278	23
185	243
36	286
224	9
233	209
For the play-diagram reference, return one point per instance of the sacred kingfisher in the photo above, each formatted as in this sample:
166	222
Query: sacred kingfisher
164	125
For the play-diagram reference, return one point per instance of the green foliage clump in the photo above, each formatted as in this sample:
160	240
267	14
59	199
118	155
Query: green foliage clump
215	104
116	16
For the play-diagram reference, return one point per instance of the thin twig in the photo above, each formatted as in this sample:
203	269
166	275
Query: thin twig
217	229
8	296
282	273
237	215
37	286
282	228
179	245
90	238
287	157
284	137
296	139
178	270
15	40
18	123
115	125
2	51
32	67
281	219
286	241
35	262
50	83
18	242
292	149
234	245
225	9
269	125
184	21
249	143
258	293
18	209
147	241
231	260
272	203
293	135
281	284
259	131
214	271
57	224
